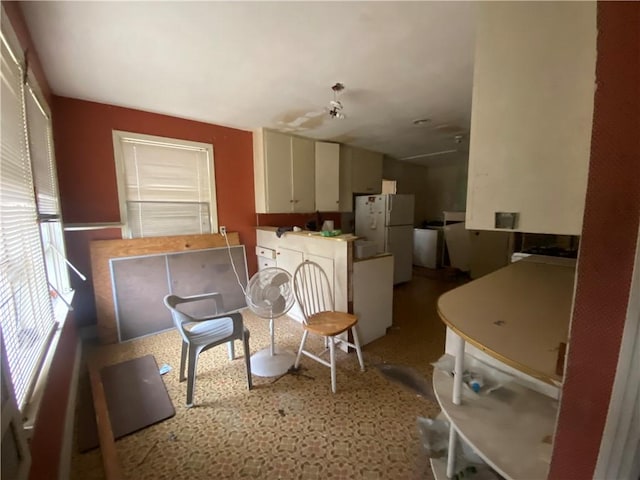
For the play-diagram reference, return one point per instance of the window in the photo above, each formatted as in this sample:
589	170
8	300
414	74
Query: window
46	188
33	273
166	186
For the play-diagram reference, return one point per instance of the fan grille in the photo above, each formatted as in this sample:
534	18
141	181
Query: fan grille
269	293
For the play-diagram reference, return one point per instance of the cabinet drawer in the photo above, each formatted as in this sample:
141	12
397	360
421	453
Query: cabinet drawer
267	253
265	263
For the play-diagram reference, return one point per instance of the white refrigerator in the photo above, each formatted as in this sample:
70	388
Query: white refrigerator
387	220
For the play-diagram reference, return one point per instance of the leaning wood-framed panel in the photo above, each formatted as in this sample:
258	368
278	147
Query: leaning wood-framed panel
104	250
140	284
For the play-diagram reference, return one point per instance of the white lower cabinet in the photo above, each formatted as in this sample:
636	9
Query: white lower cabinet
326	264
363	287
373	296
266	257
288	259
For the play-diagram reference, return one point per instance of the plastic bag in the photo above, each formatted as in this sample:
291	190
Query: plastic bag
434	436
478	377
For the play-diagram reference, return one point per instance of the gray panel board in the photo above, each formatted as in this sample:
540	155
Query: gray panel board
207	271
140	284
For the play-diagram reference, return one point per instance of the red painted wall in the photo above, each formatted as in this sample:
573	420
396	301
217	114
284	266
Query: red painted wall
607	246
87	174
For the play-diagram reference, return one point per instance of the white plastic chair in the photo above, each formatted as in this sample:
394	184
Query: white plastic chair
202	333
313	293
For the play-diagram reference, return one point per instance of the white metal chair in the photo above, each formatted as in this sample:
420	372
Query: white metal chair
200	333
313	293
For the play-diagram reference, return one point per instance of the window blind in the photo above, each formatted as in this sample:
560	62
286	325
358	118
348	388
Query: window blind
41	153
26	312
168	188
46	190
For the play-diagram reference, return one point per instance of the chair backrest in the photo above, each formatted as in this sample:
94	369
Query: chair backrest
195	307
312	289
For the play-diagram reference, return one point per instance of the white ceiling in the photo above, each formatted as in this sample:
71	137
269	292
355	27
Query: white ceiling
263	64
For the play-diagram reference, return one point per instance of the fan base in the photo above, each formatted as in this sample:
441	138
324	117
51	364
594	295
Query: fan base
263	364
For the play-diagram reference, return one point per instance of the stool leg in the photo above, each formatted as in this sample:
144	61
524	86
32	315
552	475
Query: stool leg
356	342
332	353
304	339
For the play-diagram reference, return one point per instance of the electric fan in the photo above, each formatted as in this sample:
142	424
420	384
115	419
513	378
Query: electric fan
269	295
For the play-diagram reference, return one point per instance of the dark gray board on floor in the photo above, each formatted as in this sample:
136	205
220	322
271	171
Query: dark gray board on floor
136	398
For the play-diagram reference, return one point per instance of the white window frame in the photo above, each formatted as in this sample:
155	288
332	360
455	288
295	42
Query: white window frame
121	137
50	221
57	308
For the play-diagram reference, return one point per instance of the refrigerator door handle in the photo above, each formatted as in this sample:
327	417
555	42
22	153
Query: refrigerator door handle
390	202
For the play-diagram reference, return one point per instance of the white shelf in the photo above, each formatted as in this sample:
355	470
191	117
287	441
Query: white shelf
510	428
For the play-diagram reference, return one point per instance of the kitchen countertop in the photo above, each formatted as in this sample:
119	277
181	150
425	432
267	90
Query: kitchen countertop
345	237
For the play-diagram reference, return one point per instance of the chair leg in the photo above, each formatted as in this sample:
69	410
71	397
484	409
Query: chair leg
191	375
231	349
356	342
332	353
183	360
247	358
304	339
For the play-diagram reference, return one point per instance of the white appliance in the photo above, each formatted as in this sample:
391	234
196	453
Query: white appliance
387	220
427	246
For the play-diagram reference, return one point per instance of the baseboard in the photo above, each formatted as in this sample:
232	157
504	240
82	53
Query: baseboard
64	471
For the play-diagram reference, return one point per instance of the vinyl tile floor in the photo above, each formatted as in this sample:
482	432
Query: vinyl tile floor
290	427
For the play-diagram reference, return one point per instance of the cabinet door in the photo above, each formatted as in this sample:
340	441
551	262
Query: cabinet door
278	174
327	176
373	297
326	264
303	174
366	173
288	259
532	112
346	192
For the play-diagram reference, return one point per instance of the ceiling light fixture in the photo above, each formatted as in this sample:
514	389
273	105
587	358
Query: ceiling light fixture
335	106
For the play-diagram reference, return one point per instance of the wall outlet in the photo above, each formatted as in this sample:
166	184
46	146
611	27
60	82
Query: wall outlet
223	230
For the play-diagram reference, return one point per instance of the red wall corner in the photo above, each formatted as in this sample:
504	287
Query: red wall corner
49	428
607	246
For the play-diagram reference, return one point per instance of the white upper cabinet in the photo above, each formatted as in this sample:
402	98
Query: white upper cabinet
327	175
284	173
303	174
360	172
532	110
